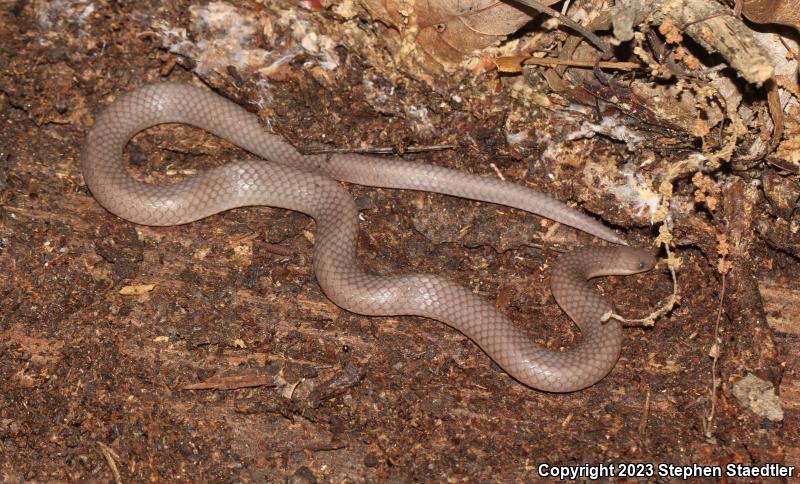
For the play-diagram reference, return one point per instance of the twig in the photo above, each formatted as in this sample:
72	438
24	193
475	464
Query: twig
550	61
277	249
317	446
708	422
544	246
497	171
568	22
380	151
110	455
514	63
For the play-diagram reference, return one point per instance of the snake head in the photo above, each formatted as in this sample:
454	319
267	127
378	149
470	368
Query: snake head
630	260
591	262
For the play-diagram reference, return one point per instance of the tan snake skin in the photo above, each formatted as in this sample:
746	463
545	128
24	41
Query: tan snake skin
306	184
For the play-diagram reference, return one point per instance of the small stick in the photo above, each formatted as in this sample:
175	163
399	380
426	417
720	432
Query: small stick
382	151
497	171
277	249
514	63
550	61
708	422
110	455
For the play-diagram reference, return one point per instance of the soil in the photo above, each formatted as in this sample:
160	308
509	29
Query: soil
207	352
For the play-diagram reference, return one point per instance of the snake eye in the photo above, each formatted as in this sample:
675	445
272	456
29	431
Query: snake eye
641	264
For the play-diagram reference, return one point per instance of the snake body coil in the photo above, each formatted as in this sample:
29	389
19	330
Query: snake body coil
308	184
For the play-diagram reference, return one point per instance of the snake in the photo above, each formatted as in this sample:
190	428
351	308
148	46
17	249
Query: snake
285	178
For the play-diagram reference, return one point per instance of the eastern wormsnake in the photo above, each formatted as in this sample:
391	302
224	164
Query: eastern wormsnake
307	183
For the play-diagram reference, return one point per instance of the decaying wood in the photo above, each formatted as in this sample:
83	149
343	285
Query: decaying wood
707	22
744	307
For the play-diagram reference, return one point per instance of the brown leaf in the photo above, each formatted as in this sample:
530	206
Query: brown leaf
783	12
232	382
449	29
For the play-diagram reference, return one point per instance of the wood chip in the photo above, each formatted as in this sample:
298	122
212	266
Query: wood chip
137	289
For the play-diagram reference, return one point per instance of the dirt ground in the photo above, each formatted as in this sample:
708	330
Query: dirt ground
97	385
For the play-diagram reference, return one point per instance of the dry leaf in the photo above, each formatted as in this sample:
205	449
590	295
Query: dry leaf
783	12
446	30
